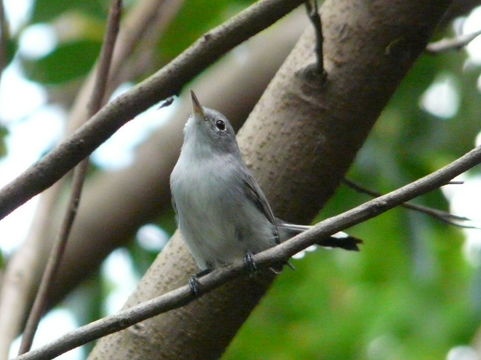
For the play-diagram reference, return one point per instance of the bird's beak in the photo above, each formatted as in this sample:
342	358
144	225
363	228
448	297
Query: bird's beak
196	107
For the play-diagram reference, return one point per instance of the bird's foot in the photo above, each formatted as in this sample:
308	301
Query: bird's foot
277	268
194	283
250	264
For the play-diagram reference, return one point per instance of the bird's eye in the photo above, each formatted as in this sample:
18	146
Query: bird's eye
220	125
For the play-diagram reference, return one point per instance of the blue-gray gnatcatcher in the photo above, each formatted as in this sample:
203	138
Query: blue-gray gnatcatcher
222	213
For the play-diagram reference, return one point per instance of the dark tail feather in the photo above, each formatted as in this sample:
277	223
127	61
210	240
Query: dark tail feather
347	242
339	240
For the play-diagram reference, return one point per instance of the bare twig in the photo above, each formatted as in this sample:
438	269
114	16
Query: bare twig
166	102
444	216
145	52
458	8
17	291
166	82
315	18
16	299
446	45
144	24
79	174
216	88
3	39
280	253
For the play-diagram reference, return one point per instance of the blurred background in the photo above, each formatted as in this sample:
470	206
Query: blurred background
413	292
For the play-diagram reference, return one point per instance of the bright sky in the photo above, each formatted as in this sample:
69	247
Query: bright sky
31	121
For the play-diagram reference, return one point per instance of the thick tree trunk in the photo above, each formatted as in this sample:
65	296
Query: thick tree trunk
299	141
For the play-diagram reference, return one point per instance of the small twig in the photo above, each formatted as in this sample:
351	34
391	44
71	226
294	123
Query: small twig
446	45
455	182
144	24
275	255
315	18
79	175
456	9
142	59
166	102
3	39
444	216
162	84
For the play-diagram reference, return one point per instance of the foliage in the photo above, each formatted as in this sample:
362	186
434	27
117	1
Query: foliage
408	294
67	62
48	10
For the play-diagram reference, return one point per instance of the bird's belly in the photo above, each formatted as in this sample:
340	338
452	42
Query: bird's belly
218	225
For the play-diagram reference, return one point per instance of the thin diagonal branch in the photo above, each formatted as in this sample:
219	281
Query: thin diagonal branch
280	253
138	64
444	216
458	8
143	26
79	174
446	45
166	82
145	23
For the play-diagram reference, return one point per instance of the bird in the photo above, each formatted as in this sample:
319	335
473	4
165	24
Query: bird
221	211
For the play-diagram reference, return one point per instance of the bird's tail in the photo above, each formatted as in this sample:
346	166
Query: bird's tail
338	240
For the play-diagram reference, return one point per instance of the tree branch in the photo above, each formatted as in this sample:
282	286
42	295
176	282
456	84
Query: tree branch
315	18
142	62
444	216
127	195
446	45
182	296
298	141
79	175
166	82
146	22
458	8
143	25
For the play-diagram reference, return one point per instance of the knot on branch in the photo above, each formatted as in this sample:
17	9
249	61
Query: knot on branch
311	76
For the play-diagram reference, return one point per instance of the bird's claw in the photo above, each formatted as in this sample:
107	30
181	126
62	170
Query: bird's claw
250	264
194	285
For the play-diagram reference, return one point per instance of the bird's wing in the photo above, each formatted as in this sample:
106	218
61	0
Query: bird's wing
254	193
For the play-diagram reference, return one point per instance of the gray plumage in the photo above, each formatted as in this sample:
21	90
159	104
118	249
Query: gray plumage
221	211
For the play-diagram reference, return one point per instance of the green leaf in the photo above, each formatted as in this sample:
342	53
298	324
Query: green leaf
67	62
46	10
3	146
195	18
11	49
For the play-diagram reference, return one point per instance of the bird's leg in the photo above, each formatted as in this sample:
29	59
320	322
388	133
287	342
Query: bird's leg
250	264
277	268
194	281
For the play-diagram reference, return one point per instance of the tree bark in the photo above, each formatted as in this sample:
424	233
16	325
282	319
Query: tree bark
145	23
123	200
299	140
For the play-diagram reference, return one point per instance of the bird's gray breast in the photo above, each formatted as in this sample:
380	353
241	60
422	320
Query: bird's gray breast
218	222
